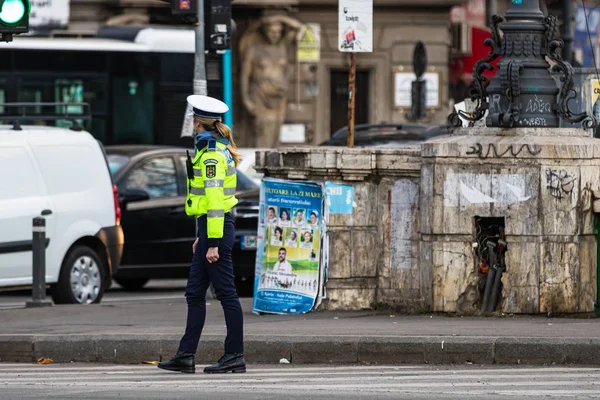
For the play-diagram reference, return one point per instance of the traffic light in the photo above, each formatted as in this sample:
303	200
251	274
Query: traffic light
184	7
14	18
217	20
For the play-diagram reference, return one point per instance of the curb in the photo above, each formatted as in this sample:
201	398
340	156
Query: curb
134	349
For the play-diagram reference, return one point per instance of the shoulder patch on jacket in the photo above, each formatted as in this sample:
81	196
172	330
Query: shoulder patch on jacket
211	171
210	161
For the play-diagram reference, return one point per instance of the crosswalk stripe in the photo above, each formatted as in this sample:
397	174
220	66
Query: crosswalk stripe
477	382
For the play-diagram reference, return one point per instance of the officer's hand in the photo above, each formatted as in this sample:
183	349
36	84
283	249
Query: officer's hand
212	255
194	245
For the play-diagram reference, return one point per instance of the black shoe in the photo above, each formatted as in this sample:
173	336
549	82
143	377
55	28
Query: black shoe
232	362
182	362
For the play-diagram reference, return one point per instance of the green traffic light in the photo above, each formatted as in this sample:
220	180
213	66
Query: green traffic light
12	12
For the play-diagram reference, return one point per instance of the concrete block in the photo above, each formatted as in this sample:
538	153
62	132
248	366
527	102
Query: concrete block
266	349
587	273
559	277
426	198
365	212
426	274
529	351
339	254
457	350
515	191
559	198
295	160
465	191
355	298
389	350
520	293
455	280
168	346
582	351
366	252
325	350
128	349
66	348
210	349
18	348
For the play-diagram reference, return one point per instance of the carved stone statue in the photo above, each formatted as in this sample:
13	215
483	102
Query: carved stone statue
266	75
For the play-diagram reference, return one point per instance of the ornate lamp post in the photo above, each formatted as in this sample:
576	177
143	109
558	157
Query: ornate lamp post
523	92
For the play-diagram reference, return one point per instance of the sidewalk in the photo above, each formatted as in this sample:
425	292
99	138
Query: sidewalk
150	331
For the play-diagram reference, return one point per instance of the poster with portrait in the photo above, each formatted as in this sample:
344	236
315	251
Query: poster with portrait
289	258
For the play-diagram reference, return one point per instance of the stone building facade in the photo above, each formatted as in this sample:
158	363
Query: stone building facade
317	92
317	95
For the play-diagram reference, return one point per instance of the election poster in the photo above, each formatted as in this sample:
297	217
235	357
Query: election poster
289	273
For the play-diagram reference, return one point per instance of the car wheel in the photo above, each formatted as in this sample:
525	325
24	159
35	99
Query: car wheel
132	284
81	279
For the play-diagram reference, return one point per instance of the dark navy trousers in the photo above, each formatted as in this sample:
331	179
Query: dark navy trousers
202	273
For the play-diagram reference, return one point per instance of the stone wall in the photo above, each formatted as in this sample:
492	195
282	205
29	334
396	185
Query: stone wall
540	181
371	250
409	242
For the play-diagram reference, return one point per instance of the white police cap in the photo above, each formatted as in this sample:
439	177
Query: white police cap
207	107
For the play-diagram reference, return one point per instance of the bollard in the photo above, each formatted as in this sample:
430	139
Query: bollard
39	265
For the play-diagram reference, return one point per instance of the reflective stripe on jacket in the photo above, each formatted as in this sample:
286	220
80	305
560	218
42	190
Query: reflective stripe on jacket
211	192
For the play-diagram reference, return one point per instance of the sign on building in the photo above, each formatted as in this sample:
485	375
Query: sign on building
402	89
49	14
309	43
355	25
290	257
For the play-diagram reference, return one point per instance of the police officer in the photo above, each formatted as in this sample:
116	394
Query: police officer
211	187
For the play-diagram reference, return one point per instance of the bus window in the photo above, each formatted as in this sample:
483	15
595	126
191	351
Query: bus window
133	110
42	88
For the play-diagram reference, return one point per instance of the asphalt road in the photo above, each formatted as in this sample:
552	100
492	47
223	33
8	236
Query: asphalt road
153	291
88	381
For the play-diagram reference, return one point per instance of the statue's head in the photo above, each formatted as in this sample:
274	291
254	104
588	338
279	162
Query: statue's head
273	32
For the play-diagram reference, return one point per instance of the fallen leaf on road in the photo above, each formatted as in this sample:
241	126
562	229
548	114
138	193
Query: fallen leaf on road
45	360
284	361
150	362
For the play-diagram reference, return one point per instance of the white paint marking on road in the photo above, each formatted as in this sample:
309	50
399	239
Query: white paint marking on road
437	382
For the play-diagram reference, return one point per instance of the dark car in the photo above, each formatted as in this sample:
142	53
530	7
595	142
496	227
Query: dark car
390	135
152	186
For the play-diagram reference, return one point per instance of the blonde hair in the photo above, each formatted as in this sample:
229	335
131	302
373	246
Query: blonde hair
212	125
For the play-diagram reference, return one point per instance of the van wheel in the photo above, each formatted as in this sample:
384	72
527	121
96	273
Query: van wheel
132	284
81	279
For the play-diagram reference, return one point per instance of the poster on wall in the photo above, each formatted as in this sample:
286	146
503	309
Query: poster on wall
290	260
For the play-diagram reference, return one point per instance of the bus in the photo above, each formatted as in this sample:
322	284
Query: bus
135	78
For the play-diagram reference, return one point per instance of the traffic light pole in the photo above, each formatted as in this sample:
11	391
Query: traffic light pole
199	80
200	85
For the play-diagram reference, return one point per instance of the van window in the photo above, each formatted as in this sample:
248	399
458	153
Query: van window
70	169
18	178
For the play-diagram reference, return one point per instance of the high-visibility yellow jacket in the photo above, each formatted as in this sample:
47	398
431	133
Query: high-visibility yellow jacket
211	191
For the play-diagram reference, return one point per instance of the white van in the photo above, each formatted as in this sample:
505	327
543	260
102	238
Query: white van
61	175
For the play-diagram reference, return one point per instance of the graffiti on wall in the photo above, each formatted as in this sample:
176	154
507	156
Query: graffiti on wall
560	183
492	150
